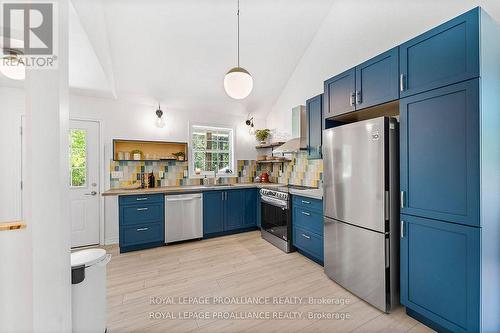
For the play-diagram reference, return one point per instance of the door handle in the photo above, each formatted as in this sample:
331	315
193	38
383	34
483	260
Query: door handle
306	213
306	202
91	193
305	236
141	199
142	229
402	82
142	209
402	229
358	97
351	99
402	199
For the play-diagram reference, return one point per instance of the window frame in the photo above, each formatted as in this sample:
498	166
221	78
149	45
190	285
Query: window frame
191	159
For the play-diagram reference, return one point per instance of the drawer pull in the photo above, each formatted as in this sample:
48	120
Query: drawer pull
142	229
306	213
306	202
141	199
305	236
140	209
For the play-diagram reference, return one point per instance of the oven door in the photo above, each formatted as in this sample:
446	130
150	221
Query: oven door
275	220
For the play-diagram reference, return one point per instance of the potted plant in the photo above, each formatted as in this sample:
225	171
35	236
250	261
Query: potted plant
262	135
180	156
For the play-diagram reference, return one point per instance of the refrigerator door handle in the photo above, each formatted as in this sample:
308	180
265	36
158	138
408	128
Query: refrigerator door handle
402	199
387	253
402	229
386	206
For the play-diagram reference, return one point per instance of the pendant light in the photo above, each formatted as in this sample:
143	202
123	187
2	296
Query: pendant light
12	65
238	82
160	121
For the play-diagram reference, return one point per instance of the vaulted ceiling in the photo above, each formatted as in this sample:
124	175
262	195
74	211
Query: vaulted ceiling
178	51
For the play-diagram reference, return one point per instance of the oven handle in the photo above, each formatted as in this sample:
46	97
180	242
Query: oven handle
275	202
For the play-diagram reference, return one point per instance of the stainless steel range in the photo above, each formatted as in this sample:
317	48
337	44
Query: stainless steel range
275	218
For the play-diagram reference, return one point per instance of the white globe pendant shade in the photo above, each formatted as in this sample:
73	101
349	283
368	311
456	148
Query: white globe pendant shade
238	83
12	67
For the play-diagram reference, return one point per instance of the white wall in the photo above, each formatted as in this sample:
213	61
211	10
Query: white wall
11	109
355	31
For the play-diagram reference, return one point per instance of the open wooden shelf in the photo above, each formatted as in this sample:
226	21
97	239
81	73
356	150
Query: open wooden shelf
273	161
14	225
269	145
151	150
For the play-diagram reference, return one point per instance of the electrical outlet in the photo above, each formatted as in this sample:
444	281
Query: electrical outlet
244	172
117	174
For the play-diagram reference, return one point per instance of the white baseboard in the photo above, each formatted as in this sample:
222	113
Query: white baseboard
111	241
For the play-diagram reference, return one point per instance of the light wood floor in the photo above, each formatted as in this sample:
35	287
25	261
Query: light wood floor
240	265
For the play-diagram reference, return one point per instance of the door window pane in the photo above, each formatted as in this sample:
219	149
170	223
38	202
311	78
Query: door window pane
78	158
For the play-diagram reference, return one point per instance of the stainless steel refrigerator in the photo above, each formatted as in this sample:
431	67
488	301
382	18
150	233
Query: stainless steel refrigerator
361	223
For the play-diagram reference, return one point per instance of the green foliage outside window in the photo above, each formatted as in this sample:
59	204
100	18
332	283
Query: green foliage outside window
78	157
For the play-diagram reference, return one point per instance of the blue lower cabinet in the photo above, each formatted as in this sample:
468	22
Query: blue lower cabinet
440	273
213	212
251	200
234	204
307	227
141	221
308	242
229	211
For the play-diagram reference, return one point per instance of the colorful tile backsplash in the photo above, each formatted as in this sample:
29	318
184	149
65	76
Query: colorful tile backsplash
299	171
174	173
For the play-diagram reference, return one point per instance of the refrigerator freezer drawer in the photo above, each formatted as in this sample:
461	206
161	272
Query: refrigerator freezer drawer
355	258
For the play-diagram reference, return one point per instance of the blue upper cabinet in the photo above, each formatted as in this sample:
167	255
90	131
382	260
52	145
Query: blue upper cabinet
377	80
213	212
439	145
444	55
339	94
440	272
314	108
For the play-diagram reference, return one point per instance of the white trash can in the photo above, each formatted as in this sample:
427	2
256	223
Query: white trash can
88	290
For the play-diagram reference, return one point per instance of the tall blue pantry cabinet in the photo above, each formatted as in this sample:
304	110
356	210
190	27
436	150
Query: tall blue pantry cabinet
450	175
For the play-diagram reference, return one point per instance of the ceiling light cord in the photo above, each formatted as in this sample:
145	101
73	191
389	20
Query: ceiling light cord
238	14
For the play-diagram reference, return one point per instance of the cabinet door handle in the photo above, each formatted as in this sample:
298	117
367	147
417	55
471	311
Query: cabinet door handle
222	195
358	97
141	199
351	99
142	229
141	209
306	202
306	213
402	229
305	236
402	78
402	199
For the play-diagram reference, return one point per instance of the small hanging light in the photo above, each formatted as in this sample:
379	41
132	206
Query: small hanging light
238	82
12	65
249	122
160	121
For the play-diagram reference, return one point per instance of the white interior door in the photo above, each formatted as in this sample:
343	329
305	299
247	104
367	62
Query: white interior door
84	182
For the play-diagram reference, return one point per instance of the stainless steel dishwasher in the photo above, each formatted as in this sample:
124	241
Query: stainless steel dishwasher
183	217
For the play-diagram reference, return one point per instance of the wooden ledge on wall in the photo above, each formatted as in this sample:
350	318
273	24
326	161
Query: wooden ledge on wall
14	225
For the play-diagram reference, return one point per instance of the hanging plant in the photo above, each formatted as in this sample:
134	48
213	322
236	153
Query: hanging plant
262	134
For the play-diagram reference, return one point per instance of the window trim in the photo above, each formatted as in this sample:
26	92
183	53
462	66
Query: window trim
191	160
